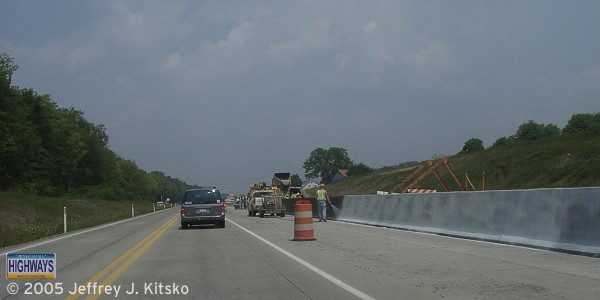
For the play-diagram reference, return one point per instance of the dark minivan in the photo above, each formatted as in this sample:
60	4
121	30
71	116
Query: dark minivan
202	206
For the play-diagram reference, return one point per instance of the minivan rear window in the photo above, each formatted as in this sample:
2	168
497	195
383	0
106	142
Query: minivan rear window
202	197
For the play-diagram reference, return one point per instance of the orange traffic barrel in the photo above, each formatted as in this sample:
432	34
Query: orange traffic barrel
303	221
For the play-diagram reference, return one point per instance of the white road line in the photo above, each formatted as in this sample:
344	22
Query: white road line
325	275
77	233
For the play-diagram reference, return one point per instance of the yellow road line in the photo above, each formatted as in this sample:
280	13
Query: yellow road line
127	259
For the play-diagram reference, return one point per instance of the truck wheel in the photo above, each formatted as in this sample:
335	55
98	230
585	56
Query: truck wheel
282	214
261	214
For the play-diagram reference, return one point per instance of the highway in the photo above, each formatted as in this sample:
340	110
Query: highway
254	258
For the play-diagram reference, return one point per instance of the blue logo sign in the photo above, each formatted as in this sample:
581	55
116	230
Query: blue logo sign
31	266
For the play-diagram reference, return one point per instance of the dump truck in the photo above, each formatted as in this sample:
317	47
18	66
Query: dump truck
281	181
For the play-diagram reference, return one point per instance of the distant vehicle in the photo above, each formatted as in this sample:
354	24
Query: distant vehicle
202	206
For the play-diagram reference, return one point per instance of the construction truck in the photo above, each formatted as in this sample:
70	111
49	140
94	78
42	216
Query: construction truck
295	192
281	181
264	199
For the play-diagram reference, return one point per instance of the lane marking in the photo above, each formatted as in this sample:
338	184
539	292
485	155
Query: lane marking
78	233
123	262
322	273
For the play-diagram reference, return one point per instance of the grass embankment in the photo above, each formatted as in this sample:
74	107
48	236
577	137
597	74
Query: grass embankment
25	217
565	161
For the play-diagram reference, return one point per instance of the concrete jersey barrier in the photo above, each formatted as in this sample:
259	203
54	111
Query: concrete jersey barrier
559	219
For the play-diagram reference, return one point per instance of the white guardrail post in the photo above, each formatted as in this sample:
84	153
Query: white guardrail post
132	211
65	218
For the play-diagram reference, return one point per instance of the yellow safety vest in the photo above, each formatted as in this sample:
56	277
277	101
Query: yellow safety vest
321	195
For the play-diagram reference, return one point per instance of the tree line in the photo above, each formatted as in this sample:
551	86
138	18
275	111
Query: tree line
531	131
54	151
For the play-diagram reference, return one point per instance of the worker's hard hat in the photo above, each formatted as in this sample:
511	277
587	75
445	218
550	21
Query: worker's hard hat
322	185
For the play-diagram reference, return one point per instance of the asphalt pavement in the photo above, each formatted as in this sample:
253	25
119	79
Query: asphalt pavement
256	258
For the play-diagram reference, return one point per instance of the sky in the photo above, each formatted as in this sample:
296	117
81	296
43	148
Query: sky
226	93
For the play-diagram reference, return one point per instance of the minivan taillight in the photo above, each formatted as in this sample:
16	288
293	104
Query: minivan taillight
182	210
223	208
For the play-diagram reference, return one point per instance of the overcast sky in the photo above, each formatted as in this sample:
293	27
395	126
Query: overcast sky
227	92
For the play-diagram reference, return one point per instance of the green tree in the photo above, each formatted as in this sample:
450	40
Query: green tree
359	169
325	163
472	145
583	123
296	181
504	141
12	127
31	120
533	131
7	68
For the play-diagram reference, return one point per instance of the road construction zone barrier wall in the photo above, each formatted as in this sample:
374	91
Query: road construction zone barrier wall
303	221
559	219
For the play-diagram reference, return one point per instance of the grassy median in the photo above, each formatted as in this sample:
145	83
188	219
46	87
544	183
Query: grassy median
25	217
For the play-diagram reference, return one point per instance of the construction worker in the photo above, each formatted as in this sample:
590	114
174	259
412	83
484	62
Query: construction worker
322	197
